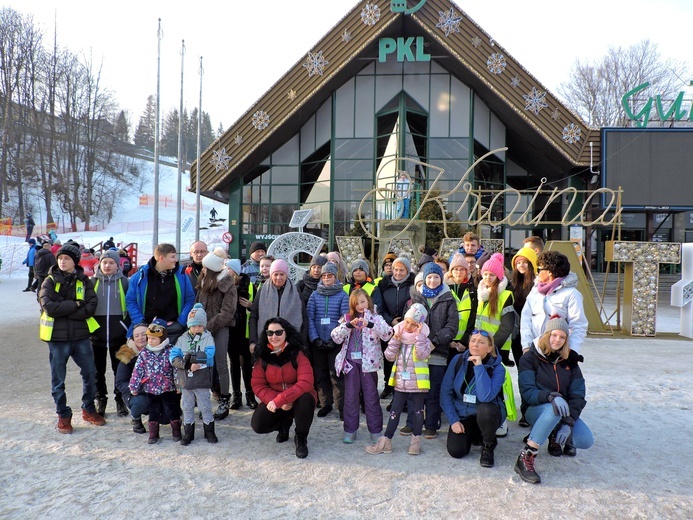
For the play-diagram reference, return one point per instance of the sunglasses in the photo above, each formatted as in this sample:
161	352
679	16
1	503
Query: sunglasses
277	332
482	332
542	269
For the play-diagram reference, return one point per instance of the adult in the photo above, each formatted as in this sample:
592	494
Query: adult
29	223
463	288
535	243
442	321
198	250
88	261
277	297
108	244
29	262
403	187
240	360
554	294
44	259
524	269
111	314
311	278
394	291
325	307
472	398
216	291
160	289
127	357
283	381
68	302
57	244
428	254
342	270
553	397
251	267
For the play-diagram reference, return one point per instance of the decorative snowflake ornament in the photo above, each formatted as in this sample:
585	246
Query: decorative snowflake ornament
370	14
515	82
291	94
476	41
220	160
534	101
346	36
238	140
571	133
555	114
496	63
315	64
260	120
449	21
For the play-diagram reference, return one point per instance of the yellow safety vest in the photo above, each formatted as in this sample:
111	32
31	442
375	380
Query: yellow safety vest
251	296
47	322
492	323
423	380
369	287
464	310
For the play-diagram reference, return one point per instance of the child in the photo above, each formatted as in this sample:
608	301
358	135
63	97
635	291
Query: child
193	356
360	358
409	349
154	376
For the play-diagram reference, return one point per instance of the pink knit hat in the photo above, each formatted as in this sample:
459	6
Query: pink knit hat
495	265
279	265
458	260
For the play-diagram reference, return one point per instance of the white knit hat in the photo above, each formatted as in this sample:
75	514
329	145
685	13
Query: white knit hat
214	260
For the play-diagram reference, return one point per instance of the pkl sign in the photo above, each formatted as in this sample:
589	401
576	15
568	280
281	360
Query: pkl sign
403	48
643	116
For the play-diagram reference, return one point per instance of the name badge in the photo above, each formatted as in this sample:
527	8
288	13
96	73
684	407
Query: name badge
356	355
324	321
405	376
469	398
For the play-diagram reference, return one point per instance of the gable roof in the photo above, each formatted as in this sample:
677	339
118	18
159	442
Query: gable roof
552	142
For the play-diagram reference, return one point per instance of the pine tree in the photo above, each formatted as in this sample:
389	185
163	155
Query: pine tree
122	127
144	133
169	135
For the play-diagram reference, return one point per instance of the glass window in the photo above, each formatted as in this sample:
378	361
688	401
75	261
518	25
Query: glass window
284	174
365	100
354	170
353	148
351	190
448	148
344	110
284	194
288	153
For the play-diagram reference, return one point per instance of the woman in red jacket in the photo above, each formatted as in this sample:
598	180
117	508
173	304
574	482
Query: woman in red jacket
283	382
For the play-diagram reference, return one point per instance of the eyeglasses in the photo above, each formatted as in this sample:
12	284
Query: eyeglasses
277	332
482	332
198	252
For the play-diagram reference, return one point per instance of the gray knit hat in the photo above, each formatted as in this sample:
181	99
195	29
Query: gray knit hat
318	260
556	323
329	267
113	255
360	264
404	261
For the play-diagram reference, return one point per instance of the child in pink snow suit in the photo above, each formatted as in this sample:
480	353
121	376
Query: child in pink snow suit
360	358
409	349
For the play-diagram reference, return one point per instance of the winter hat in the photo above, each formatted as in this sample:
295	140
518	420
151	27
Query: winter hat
31	241
417	312
197	316
255	246
556	323
329	267
279	265
214	260
390	257
458	260
432	268
70	251
404	261
529	254
318	260
157	328
113	255
418	278
427	250
234	264
360	264
495	265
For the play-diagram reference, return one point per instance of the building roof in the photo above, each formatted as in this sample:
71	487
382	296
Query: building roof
543	135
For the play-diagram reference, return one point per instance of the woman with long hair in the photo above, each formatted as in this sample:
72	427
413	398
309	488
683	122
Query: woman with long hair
524	265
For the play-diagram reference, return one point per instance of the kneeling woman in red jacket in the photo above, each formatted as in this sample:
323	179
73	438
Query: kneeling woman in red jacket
283	381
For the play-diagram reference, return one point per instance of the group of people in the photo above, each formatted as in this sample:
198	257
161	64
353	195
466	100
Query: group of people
441	336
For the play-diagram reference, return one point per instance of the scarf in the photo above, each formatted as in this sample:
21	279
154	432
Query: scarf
397	283
161	346
310	282
484	292
287	305
431	293
331	290
546	288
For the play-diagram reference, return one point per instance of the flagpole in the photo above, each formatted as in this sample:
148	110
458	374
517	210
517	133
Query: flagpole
180	152
155	236
199	141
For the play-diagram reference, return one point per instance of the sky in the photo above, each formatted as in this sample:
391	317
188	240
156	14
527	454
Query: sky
247	46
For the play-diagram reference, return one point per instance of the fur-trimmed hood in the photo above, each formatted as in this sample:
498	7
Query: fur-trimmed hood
127	352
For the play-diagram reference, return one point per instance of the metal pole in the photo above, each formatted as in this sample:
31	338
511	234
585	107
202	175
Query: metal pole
199	141
180	151
155	235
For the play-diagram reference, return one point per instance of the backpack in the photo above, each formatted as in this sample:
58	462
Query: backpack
125	265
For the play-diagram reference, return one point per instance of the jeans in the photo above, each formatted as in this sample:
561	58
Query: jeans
544	420
82	354
138	405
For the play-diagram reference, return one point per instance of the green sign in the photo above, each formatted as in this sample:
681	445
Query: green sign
643	116
400	6
403	48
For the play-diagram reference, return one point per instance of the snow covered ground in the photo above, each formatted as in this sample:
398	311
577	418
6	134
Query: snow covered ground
639	406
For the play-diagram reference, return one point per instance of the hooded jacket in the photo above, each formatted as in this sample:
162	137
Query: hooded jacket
111	311
153	372
127	355
187	344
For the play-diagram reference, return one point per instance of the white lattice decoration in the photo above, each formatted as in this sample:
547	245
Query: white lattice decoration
494	245
288	245
449	246
682	291
350	248
403	245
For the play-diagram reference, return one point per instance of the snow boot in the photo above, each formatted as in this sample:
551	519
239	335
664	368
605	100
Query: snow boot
237	401
153	432
137	426
415	445
101	406
384	445
223	408
486	459
188	434
121	409
569	449
93	418
175	430
209	433
554	448
301	442
64	425
250	400
283	432
525	465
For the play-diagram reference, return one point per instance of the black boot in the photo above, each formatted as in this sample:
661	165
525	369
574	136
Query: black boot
101	406
237	401
387	392
487	449
175	430
137	426
324	410
554	448
250	400
525	465
569	448
188	434
153	432
223	409
209	433
301	442
284	427
121	409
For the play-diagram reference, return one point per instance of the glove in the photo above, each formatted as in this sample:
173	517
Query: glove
186	358
563	433
318	344
560	406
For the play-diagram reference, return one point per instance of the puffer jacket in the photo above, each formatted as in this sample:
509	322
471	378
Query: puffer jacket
321	306
153	372
43	261
402	357
372	354
70	319
275	378
187	344
564	301
220	305
394	298
539	376
489	377
443	320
